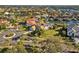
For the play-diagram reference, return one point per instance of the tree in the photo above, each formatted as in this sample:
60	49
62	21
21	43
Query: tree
20	47
13	21
3	26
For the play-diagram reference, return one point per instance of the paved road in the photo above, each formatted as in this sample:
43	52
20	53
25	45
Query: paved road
18	33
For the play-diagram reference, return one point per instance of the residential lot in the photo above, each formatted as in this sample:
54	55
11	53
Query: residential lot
39	29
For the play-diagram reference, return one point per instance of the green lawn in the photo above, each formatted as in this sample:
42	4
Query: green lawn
48	33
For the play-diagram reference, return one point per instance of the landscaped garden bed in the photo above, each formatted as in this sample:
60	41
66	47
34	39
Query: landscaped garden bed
9	35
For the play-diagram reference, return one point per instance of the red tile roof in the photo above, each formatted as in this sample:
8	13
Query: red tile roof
31	21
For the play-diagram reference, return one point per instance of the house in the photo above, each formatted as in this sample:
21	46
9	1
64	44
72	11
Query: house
31	21
46	26
76	34
3	21
11	26
73	32
70	24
